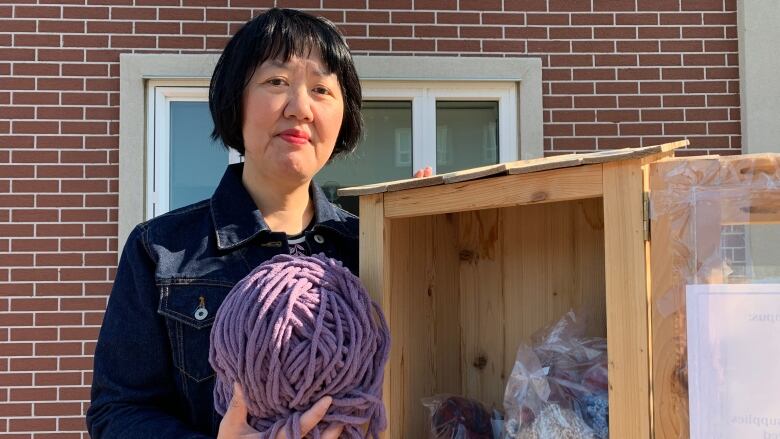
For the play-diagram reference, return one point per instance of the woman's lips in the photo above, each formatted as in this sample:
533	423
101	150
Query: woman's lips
296	137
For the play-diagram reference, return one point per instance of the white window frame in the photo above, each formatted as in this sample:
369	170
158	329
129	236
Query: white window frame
425	94
160	94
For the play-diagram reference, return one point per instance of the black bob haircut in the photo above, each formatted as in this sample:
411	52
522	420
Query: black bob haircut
281	34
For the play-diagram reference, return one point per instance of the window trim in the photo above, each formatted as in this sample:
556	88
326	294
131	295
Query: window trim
136	70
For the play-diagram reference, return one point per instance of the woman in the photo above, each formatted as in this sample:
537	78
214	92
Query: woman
284	94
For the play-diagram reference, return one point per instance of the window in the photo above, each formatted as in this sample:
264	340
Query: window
448	126
449	113
178	131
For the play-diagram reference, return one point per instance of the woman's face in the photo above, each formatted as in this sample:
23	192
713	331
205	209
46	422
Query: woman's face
292	117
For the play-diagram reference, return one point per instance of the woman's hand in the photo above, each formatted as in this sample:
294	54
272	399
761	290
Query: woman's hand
424	172
234	425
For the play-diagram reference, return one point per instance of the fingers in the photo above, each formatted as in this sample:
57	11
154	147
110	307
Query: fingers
333	432
427	171
237	409
418	174
311	417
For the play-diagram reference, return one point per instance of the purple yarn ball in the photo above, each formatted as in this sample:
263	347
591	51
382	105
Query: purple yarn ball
297	329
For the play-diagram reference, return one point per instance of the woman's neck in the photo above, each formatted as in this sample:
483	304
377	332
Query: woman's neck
286	209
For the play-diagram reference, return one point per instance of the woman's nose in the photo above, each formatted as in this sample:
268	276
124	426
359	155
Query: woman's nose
299	105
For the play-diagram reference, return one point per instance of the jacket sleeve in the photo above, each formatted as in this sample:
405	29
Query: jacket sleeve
133	394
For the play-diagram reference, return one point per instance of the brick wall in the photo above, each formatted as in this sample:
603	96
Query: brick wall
616	73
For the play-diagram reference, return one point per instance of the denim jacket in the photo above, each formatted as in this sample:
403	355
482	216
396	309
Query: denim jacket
152	377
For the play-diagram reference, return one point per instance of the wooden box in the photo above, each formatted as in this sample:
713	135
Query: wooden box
469	264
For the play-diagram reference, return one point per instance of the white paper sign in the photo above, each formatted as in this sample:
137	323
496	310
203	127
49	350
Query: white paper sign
734	361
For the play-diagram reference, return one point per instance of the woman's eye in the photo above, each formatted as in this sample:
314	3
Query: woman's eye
276	81
321	90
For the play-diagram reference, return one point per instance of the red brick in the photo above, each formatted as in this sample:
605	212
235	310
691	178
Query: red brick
617	116
723	127
547	19
569	5
722	73
704	60
101	200
36	304
221	28
720	18
33	334
505	46
500	17
702	5
180	42
32	424
61	26
157	28
57	408
636	19
10	410
434	31
684	101
10	54
37	12
682	73
361	4
684	129
614	5
83	333
103	55
110	27
100	84
33	274
17	171
525	5
413	45
87	127
703	32
455	18
681	18
58	289
61	54
101	230
574	115
35	215
35	185
212	14
74	394
574	143
639	101
593	46
549	46
681	46
705	87
526	32
570	33
368	44
617	142
58	319
80	274
15	25
84	244
457	46
596	129
592	19
58	230
660	87
615	60
85	40
412	17
58	259
17	200
16	112
659	5
706	114
614	33
637	46
33	364
16	319
17	84
640	129
36	69
90	12
486	32
721	46
57	348
132	41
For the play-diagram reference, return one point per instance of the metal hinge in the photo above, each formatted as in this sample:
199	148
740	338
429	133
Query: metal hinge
646	215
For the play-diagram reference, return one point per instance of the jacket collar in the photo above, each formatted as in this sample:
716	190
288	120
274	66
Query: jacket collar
237	219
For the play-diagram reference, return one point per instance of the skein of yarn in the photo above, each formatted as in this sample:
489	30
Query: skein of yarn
297	329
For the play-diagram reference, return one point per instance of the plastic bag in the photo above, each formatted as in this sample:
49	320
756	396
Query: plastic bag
456	417
564	369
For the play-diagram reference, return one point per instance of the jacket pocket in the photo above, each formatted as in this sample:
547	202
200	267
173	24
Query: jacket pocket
189	307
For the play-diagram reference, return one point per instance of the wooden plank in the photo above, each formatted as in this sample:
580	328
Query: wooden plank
627	301
374	274
481	305
516	167
391	186
510	190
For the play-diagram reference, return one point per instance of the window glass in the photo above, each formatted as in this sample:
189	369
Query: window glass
196	162
466	135
384	154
